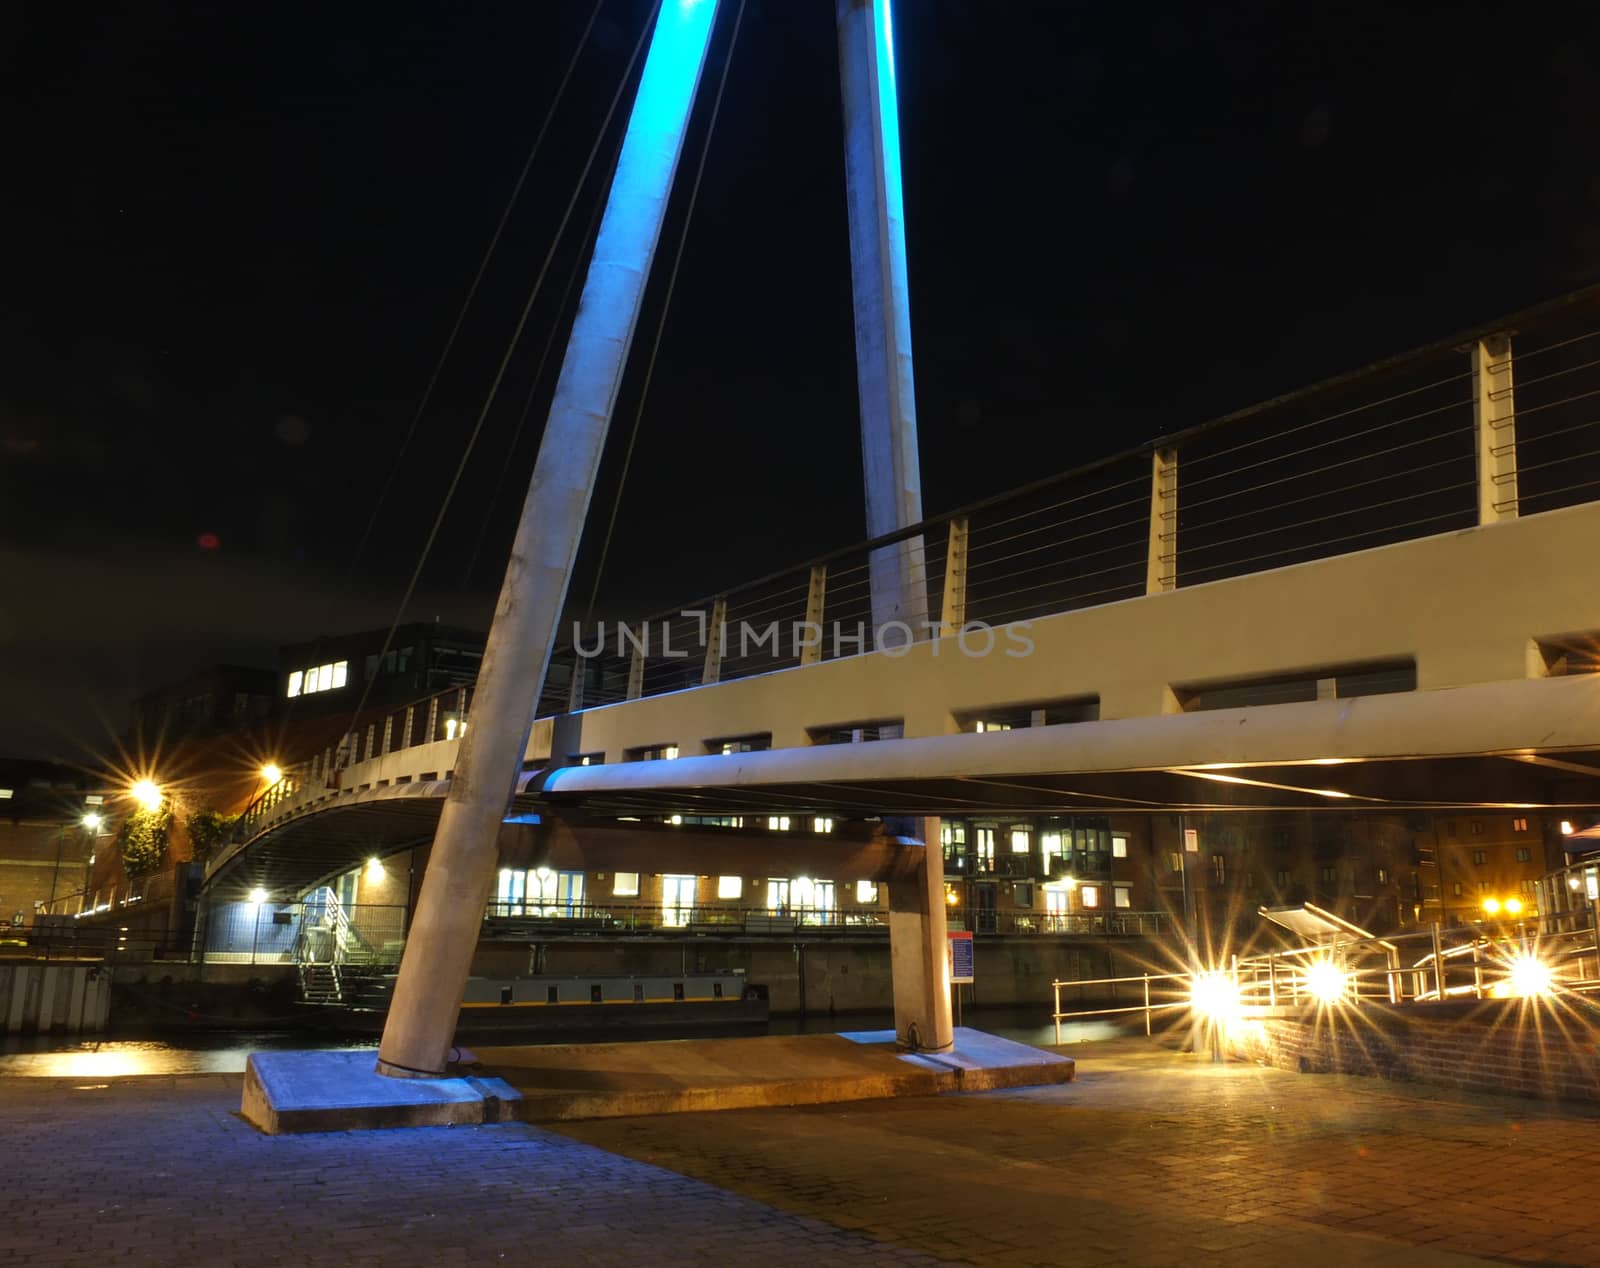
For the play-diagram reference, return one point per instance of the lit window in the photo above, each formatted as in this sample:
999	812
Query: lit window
625	885
1456	889
319	678
822	823
1091	895
777	823
670	752
675	820
1175	862
1019	840
5	794
1519	825
1119	847
1123	896
981	727
730	886
1383	876
866	891
1483	887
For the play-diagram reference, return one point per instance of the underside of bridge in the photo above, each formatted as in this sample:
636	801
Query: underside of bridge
586	830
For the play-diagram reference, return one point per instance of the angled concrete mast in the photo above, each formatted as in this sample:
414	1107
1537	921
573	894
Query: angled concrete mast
444	933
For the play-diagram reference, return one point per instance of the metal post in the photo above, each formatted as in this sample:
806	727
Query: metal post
388	734
1146	1009
1161	561
575	688
716	632
636	664
953	608
1495	424
432	732
1056	990
1438	962
882	312
1477	971
816	595
1272	979
455	888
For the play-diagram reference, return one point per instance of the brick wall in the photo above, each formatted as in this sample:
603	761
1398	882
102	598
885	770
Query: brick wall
1539	1049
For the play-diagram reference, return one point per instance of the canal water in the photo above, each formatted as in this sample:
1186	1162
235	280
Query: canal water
225	1052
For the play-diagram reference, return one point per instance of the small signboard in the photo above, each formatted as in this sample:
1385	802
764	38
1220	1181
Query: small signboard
960	958
1191	840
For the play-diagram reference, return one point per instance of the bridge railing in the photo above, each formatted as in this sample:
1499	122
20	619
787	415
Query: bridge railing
1494	423
1486	425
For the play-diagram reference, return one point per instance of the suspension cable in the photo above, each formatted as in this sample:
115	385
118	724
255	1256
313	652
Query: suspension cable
472	290
511	346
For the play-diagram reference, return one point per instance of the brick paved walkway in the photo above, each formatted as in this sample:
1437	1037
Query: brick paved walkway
1152	1158
1149	1159
162	1171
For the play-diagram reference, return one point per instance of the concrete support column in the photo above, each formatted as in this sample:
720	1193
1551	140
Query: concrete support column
456	886
1161	571
918	947
882	312
1494	418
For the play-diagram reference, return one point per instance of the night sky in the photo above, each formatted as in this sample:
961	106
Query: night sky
238	236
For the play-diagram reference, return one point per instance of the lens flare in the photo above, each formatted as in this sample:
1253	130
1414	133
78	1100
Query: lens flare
1529	977
146	793
1326	981
1214	995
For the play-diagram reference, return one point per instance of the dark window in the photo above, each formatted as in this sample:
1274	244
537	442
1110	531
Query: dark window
1456	889
1522	854
1477	827
1219	869
1330	874
1283	877
1383	876
1480	857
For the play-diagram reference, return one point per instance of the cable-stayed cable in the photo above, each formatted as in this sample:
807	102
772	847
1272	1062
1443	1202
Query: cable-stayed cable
511	347
472	290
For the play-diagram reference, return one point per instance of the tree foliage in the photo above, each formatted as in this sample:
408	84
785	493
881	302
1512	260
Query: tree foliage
142	842
208	832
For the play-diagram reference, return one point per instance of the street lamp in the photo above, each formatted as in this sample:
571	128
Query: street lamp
147	794
272	773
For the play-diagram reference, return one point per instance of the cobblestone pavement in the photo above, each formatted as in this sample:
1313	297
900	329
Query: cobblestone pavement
1150	1158
162	1171
1154	1158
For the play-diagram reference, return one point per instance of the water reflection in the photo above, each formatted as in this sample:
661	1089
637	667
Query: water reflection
225	1052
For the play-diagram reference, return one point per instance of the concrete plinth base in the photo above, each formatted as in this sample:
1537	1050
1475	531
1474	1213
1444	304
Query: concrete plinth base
550	1083
567	1082
342	1091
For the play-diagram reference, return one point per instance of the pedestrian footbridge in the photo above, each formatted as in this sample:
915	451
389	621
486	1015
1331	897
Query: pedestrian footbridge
1377	593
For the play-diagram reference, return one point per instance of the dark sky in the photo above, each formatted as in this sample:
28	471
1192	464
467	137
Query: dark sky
237	236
